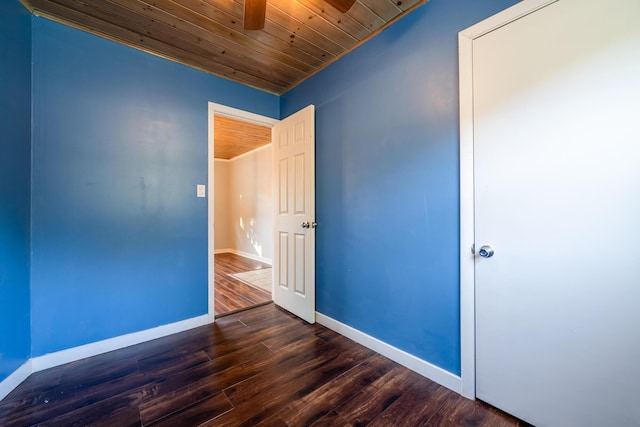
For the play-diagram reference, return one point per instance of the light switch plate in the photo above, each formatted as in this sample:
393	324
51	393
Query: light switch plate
201	190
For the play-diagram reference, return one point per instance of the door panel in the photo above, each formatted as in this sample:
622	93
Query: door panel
557	196
294	150
281	274
298	264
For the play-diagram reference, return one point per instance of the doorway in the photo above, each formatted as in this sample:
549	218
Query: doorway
240	204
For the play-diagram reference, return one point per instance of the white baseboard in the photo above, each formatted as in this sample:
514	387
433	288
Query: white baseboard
244	254
422	367
58	358
76	353
50	360
12	381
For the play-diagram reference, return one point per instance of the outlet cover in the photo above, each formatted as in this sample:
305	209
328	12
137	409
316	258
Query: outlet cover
201	190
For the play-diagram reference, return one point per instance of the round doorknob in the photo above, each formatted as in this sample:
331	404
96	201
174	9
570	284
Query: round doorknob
486	251
306	224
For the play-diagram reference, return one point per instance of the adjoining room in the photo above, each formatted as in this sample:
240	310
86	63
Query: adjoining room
243	214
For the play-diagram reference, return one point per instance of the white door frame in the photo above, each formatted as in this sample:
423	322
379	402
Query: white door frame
467	231
246	116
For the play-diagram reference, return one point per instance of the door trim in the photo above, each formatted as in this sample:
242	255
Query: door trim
467	231
235	113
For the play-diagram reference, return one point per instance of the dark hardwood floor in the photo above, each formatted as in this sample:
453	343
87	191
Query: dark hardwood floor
232	294
259	367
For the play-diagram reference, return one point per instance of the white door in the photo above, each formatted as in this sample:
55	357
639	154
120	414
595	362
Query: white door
557	197
294	214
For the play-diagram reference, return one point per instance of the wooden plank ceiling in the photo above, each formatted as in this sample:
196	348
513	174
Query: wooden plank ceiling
299	38
235	137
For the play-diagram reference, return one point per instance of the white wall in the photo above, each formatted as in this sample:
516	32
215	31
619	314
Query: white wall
243	203
221	208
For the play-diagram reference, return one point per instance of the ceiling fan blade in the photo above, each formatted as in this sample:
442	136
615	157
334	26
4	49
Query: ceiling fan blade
342	5
254	14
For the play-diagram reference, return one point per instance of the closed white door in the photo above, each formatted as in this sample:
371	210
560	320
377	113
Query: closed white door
294	214
557	197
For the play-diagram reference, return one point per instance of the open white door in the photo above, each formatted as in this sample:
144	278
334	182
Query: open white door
294	214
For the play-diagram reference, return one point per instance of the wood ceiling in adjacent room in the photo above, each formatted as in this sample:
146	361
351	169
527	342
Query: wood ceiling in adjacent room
233	138
299	38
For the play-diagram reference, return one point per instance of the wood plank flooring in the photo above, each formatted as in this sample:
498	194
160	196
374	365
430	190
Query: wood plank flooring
232	294
259	367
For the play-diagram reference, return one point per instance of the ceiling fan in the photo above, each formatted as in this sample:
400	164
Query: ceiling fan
255	10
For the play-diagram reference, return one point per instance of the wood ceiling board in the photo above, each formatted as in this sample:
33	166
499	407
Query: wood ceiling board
344	21
233	22
299	39
366	16
299	29
385	9
406	5
234	137
285	35
308	18
186	19
188	37
373	34
288	36
148	44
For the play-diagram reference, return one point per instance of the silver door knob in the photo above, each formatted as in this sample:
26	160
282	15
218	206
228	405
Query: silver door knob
486	251
306	224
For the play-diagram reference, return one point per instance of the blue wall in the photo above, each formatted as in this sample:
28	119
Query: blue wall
119	144
387	181
15	185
